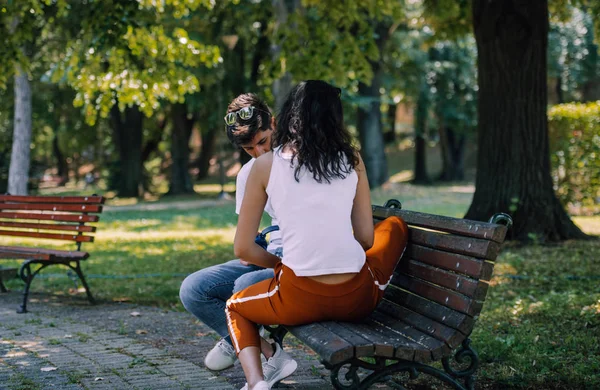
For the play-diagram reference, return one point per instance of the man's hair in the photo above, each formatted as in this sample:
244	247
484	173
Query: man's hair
243	131
311	122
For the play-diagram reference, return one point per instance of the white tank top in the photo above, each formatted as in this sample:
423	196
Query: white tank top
314	219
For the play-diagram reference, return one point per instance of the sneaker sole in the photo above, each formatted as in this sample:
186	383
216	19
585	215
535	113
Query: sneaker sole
287	370
219	368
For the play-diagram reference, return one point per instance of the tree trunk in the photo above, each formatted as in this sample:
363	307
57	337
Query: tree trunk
282	86
209	138
390	135
422	108
61	161
181	181
370	132
18	173
127	133
513	167
452	145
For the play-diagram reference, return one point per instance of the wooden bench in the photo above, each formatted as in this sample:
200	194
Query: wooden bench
64	218
428	312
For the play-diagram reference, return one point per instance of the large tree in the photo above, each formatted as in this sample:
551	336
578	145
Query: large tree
513	169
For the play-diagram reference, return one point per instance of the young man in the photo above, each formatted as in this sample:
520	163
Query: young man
250	125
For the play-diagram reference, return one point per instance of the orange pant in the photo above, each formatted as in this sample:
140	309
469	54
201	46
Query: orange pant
291	300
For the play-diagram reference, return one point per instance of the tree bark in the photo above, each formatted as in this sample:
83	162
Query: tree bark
370	133
421	176
181	181
127	133
282	86
18	173
513	167
452	145
209	138
369	121
61	161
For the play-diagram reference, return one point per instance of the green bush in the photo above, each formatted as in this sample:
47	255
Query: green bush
575	152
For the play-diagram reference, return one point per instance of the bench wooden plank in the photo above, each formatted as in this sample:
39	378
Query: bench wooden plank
464	227
451	337
471	266
482	249
50	236
51	207
382	341
93	199
433	310
437	294
24	255
332	348
436	348
52	253
462	284
362	346
49	226
50	217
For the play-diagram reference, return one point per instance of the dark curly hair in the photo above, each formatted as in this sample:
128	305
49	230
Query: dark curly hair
311	123
243	131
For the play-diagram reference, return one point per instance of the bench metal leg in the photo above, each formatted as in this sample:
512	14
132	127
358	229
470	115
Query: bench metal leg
27	276
79	272
345	375
2	286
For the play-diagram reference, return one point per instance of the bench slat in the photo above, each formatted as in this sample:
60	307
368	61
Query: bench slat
464	227
451	337
50	217
49	226
50	236
467	265
383	341
440	295
328	345
362	347
433	310
53	254
94	199
51	207
24	255
433	349
482	249
464	285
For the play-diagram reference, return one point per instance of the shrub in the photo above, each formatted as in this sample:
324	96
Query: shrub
575	152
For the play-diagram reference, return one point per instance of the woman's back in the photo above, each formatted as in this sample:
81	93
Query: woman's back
315	219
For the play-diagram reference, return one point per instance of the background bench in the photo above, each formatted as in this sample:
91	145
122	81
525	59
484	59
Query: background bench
64	218
428	311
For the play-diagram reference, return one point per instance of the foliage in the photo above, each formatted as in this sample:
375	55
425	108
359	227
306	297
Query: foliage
572	54
334	40
575	152
142	59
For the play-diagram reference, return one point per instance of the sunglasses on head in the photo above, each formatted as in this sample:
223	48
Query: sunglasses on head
245	114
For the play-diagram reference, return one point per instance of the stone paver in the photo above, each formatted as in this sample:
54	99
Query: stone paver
106	347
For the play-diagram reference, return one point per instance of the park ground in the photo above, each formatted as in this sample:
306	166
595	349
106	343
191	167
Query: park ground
539	329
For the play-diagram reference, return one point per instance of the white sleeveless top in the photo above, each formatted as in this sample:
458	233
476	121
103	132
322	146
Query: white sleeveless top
314	219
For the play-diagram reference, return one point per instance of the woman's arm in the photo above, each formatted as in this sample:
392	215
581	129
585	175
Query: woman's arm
255	198
362	213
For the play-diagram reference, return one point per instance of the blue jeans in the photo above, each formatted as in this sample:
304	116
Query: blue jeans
205	292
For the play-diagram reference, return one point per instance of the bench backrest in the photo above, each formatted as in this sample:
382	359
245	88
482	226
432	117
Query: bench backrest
441	283
50	217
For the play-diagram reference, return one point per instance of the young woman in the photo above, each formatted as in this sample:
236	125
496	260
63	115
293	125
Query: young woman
316	183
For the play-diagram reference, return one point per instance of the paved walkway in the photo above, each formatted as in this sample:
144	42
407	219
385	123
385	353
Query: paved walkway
65	343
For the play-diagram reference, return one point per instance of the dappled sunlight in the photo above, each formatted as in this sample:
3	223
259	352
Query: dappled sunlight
402	176
500	272
214	188
589	224
170	235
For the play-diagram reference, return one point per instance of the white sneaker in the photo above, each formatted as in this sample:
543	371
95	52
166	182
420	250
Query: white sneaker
222	356
279	366
262	385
